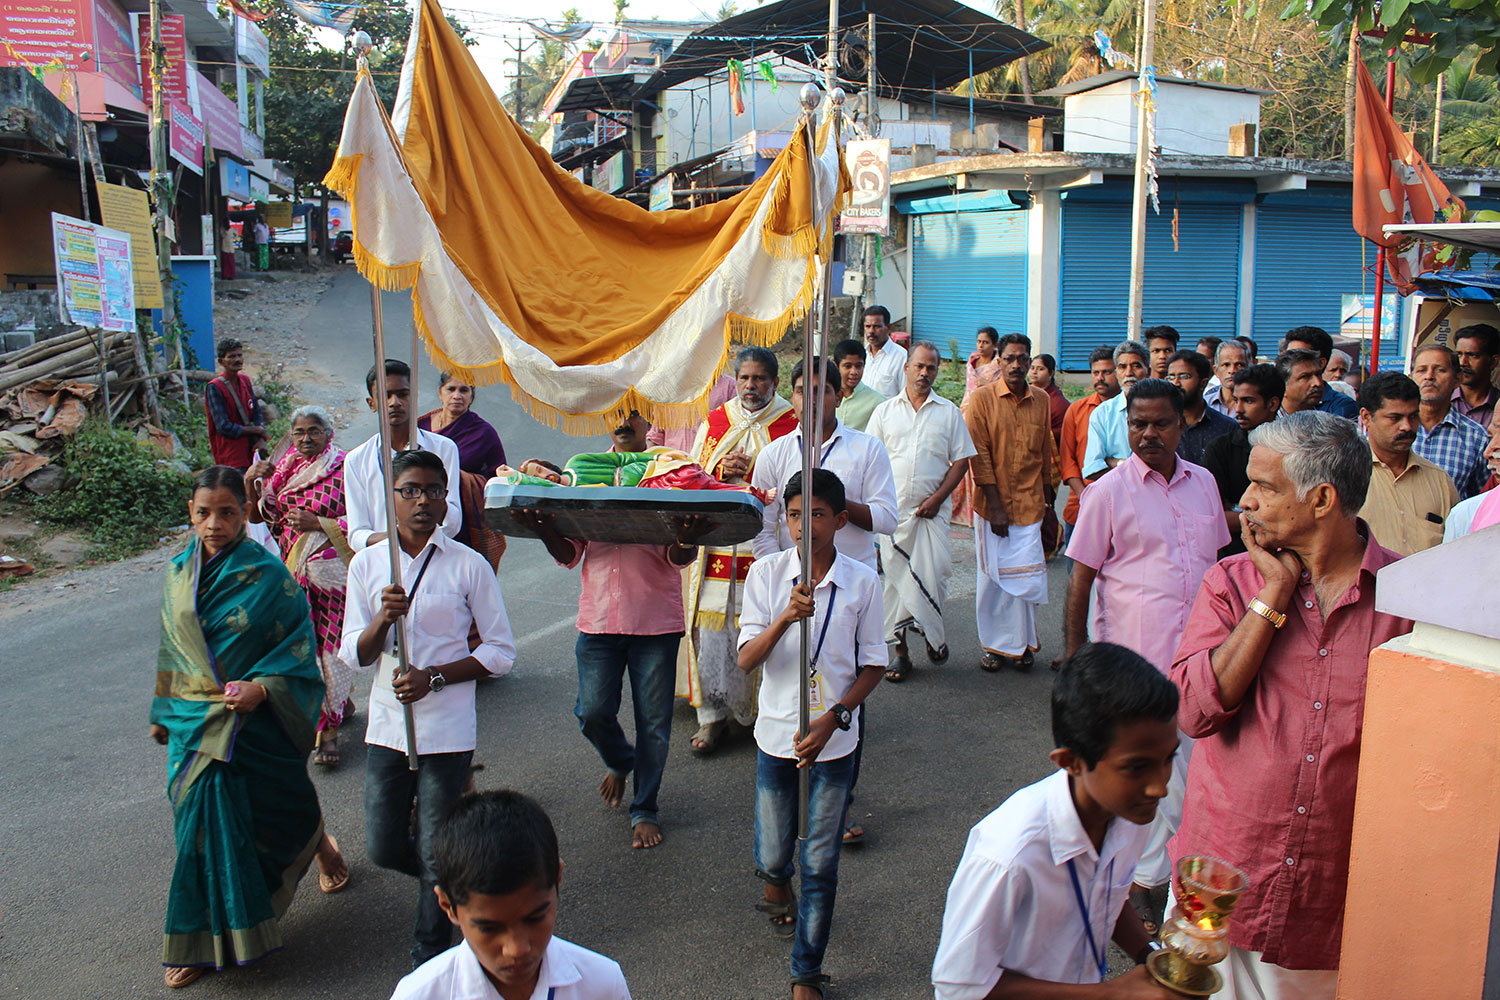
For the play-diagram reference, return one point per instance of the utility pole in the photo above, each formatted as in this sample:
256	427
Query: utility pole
1142	165
161	198
520	51
872	125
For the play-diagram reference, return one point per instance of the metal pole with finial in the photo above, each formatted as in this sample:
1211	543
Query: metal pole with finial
814	363
362	45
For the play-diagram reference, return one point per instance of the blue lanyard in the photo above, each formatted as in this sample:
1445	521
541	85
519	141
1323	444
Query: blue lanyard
1101	958
826	451
833	595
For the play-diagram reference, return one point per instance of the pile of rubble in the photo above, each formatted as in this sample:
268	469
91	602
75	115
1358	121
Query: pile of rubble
46	391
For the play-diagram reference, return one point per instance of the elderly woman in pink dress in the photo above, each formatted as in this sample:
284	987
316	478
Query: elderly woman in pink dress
982	369
301	500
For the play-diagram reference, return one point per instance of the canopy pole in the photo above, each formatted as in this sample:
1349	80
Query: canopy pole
362	45
1140	192
392	539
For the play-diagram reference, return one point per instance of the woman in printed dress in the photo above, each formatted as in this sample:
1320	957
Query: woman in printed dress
302	501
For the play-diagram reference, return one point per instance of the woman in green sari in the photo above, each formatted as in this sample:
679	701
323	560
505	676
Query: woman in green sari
237	695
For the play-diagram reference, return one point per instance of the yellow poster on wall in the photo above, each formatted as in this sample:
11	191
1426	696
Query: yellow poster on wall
279	214
128	210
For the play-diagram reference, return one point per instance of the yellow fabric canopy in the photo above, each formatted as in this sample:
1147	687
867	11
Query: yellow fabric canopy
585	304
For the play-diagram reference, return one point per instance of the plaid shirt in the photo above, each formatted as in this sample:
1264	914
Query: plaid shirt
1456	445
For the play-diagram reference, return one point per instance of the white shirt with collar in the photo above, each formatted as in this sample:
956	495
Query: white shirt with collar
855	638
885	371
1011	904
457	590
364	487
862	465
568	973
923	443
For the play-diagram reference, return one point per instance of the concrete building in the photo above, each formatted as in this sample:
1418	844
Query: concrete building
1039	243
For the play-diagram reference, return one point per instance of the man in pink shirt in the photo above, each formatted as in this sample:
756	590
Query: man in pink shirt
1147	531
629	619
1272	674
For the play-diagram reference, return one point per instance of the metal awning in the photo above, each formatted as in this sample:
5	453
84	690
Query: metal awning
920	45
1481	236
611	92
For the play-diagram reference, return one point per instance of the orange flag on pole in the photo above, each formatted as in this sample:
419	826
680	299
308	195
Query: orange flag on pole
1392	183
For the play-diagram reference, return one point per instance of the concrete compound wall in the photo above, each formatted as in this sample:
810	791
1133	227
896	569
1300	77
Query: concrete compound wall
30	307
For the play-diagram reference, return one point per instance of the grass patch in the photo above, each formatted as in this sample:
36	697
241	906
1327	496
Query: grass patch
121	495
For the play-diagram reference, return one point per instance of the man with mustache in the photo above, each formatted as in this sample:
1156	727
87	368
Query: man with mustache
930	449
1445	437
1146	533
1272	671
1107	443
1409	497
1476	346
1302	371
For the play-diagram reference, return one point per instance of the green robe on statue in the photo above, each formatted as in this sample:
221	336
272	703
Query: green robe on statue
246	814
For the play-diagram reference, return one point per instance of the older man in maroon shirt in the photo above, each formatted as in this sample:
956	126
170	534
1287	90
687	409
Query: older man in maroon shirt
1272	673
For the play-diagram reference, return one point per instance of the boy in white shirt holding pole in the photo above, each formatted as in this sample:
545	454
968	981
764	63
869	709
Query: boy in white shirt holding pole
446	587
848	659
1042	886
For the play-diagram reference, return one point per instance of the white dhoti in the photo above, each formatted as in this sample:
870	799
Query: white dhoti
1010	581
723	690
918	561
1155	867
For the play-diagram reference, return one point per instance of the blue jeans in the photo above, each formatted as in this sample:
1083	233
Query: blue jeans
858	754
390	789
776	836
651	660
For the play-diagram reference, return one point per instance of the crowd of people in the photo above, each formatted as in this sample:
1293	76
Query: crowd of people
1225	519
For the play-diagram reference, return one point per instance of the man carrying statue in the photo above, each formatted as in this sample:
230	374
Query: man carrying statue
708	674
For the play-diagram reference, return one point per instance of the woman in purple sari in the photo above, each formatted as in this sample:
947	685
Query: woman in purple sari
479	454
302	501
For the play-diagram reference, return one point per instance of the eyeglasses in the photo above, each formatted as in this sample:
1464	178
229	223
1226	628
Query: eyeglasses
431	492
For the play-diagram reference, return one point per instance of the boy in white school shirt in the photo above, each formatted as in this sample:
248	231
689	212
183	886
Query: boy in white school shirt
364	479
1042	886
446	587
498	877
848	660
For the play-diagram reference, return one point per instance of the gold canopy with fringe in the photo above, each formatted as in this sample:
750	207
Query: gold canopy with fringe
585	304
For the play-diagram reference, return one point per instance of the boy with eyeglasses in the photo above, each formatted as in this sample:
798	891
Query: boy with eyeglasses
445	588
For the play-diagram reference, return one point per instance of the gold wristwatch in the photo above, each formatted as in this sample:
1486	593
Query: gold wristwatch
1270	614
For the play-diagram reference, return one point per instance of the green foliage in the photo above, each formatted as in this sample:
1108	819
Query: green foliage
122	494
1453	26
309	89
538	74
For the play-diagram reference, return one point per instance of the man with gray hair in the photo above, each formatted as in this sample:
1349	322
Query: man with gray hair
1109	445
1271	669
726	446
1229	357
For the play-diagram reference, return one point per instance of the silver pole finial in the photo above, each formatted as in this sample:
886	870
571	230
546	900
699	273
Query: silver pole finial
810	96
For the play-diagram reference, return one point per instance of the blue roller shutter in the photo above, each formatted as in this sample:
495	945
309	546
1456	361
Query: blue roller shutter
1194	288
1307	258
968	271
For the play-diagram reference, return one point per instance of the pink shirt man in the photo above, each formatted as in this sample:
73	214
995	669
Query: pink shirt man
1272	781
1151	541
627	589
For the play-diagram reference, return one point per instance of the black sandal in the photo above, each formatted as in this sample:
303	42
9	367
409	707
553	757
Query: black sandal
783	916
819	983
937	657
899	670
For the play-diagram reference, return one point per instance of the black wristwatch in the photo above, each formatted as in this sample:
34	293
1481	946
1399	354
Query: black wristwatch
842	716
435	681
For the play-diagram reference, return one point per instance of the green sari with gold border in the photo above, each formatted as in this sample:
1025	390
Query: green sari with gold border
246	813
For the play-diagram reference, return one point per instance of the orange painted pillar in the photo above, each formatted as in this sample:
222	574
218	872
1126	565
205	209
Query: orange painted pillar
1423	866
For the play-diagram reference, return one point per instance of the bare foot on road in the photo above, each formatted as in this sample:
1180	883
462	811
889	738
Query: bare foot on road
612	790
645	835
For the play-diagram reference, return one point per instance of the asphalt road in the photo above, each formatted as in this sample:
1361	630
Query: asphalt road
86	842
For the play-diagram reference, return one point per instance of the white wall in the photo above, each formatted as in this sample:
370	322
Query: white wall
1190	120
700	120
